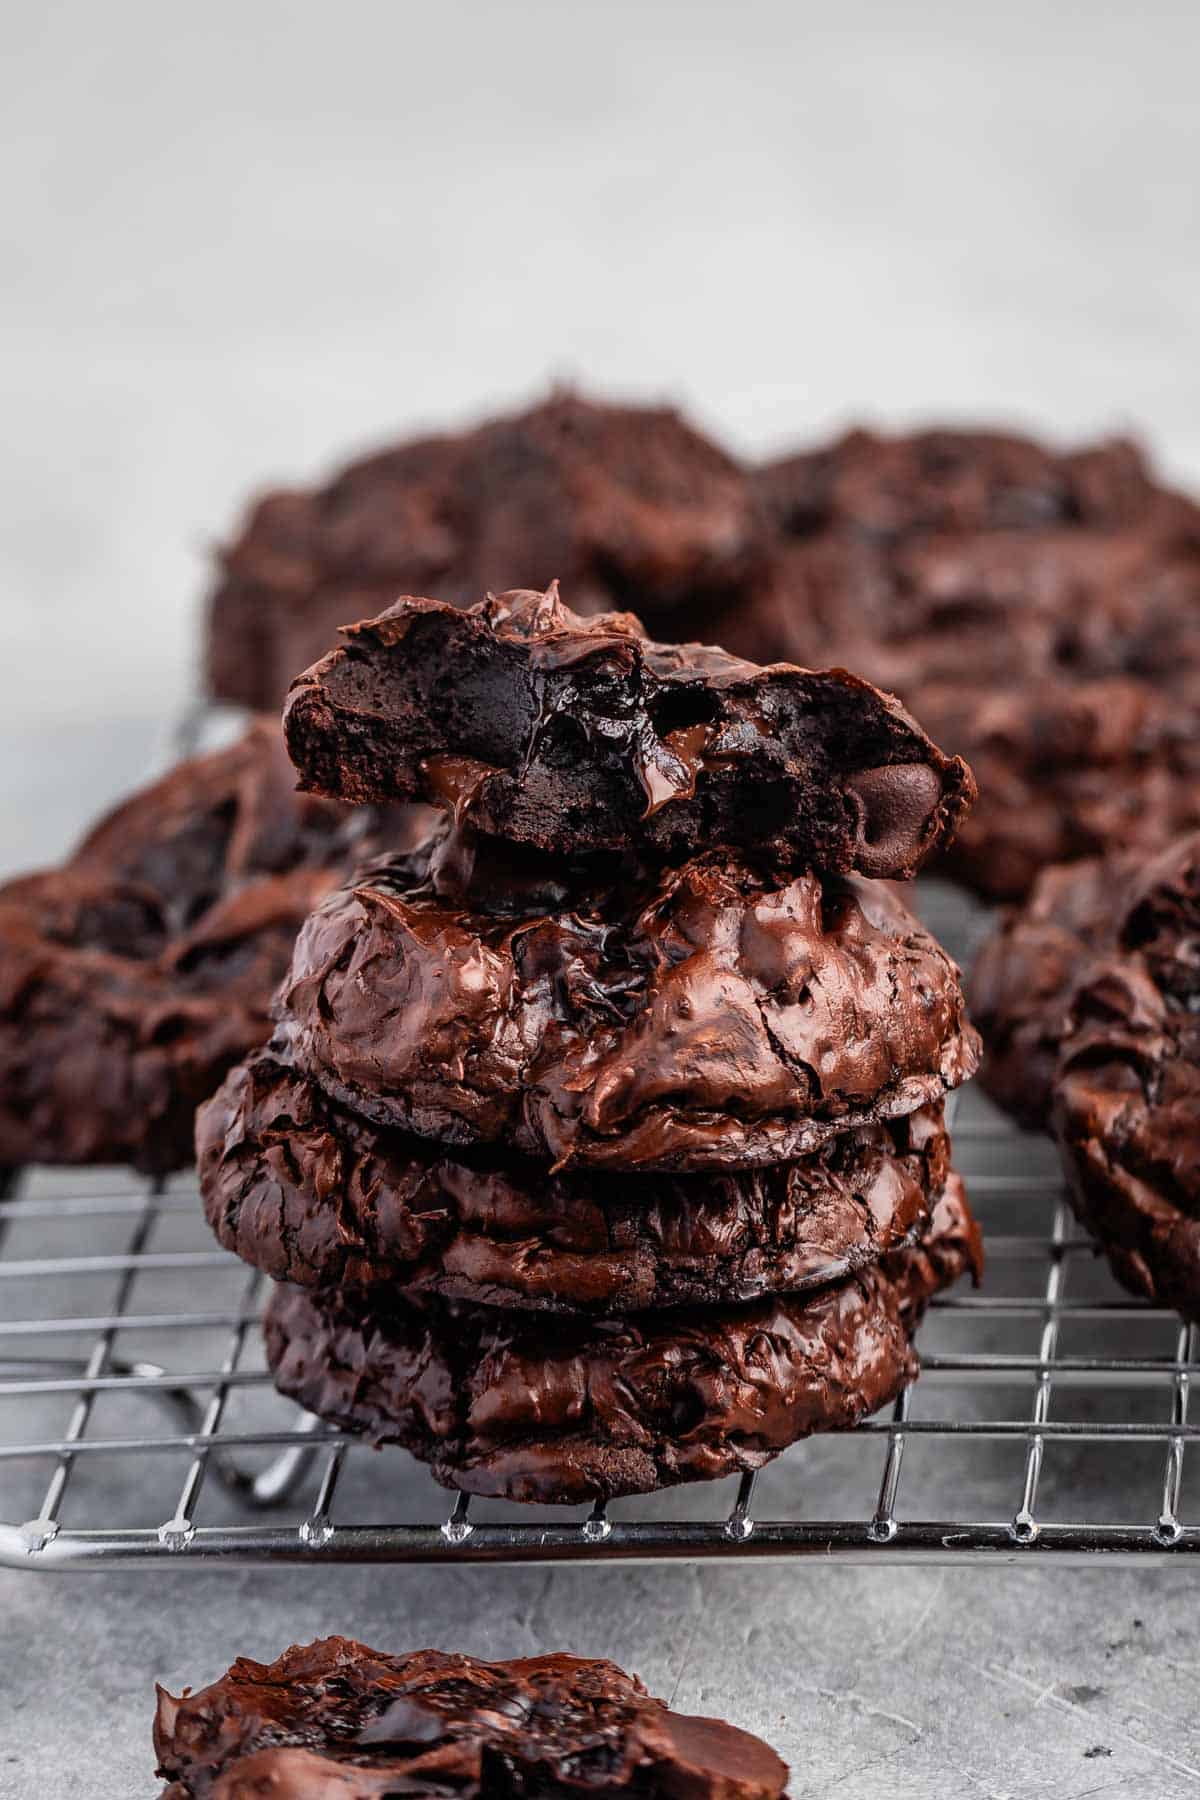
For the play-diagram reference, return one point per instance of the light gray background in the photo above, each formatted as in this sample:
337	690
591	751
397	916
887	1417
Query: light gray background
242	240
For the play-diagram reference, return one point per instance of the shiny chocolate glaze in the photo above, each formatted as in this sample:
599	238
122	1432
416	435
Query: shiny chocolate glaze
313	1194
692	1019
335	1719
565	1410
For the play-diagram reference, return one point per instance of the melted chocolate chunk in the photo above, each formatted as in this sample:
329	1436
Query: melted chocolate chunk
135	975
695	1019
630	506
570	734
334	1718
315	1195
566	1410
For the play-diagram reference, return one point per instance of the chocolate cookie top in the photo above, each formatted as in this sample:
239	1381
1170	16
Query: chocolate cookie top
629	506
1066	601
135	974
1040	613
313	1194
693	1019
334	1717
945	479
564	1410
1126	1091
574	734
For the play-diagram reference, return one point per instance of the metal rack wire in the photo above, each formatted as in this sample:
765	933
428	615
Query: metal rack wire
137	1422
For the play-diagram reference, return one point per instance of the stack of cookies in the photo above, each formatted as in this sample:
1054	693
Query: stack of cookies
600	1144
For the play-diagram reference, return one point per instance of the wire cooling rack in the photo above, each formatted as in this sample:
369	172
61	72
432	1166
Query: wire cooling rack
138	1423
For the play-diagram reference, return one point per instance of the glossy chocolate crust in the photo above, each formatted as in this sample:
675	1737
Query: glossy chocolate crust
1039	613
336	1719
1126	1105
132	977
512	1405
574	735
693	1020
629	506
312	1194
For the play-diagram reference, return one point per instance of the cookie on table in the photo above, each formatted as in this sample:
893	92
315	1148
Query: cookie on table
313	1194
1126	1091
629	505
530	1408
137	973
690	1019
335	1718
571	734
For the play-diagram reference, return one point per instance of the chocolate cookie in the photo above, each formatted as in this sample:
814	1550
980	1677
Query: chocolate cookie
132	977
574	734
1071	770
1022	978
629	506
334	1718
694	1019
945	479
1126	1107
313	1194
512	1405
1039	613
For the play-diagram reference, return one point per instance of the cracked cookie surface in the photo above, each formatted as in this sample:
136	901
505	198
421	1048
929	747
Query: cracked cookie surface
529	1408
688	1019
135	974
313	1194
336	1718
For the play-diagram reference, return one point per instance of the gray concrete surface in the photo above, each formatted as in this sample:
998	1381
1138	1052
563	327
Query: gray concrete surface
241	240
910	1685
